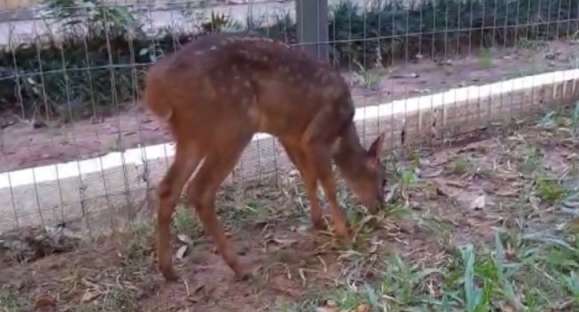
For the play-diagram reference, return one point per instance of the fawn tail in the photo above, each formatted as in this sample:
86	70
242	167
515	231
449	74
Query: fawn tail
152	100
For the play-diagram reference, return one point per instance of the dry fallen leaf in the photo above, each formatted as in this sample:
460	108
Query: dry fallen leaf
363	308
478	203
283	243
181	252
89	296
185	239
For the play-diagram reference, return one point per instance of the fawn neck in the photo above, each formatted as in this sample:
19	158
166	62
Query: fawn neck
350	156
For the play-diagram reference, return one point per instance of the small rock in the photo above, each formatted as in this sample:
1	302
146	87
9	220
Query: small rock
447	62
38	124
552	55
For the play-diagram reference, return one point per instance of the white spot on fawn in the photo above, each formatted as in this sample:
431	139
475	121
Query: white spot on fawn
213	48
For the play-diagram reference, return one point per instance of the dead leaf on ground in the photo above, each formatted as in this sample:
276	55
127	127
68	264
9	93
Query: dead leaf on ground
428	174
446	188
185	239
89	296
478	203
507	193
181	252
283	243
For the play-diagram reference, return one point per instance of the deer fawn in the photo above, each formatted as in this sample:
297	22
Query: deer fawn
218	91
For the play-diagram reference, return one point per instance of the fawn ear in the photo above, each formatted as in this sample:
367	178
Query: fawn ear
375	149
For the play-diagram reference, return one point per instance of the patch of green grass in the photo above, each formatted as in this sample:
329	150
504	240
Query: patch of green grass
485	59
339	299
525	43
572	285
575	119
368	78
11	301
185	222
121	299
549	190
460	166
476	299
515	273
532	160
557	118
406	282
403	179
138	246
114	300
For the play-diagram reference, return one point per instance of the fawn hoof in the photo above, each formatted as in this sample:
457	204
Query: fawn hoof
344	233
169	274
242	273
243	276
319	225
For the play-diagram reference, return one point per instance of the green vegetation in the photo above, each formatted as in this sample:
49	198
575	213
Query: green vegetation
533	277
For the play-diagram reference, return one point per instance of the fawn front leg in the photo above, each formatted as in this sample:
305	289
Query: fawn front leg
308	175
318	158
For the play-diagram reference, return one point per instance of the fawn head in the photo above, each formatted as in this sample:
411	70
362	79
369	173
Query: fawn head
370	183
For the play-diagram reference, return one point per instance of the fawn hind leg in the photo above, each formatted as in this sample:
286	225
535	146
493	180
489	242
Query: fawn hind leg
187	158
203	188
297	157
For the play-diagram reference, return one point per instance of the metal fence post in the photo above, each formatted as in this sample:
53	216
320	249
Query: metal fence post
312	22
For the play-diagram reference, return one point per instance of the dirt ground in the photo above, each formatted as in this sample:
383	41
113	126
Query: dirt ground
521	182
22	145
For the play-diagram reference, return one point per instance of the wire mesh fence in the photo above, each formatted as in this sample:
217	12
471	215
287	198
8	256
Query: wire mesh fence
76	145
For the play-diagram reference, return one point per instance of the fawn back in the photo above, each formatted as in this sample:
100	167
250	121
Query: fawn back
216	92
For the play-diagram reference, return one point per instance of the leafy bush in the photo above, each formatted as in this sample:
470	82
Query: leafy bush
399	30
95	68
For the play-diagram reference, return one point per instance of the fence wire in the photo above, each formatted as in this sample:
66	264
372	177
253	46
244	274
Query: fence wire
76	145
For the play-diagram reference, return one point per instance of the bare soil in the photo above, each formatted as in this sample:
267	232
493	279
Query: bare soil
458	194
22	145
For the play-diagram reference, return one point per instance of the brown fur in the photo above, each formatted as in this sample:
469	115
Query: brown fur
218	91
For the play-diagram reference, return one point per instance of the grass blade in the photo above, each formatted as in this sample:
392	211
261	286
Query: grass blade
472	292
